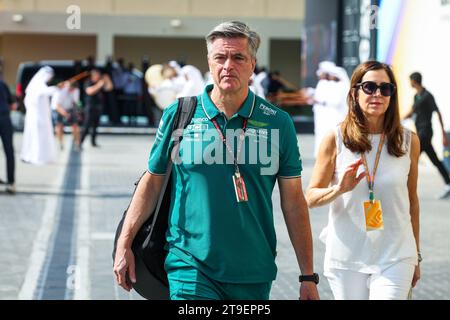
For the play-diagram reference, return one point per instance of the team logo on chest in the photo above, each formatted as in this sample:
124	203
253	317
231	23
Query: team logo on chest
267	110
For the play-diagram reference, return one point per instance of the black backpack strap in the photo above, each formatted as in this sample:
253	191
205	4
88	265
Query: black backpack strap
183	116
185	112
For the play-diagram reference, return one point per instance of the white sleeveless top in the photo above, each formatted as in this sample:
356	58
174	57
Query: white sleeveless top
348	245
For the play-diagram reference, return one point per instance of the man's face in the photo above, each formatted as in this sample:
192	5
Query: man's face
231	64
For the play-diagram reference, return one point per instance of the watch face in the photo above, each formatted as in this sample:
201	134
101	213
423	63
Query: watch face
316	278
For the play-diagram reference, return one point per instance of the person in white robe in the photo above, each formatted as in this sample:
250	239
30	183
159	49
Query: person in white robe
338	95
262	79
194	84
330	100
256	86
320	100
38	146
174	72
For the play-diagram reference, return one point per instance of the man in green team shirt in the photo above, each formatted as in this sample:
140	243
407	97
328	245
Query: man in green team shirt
221	237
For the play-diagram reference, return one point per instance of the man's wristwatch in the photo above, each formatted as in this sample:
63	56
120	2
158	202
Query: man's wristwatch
419	256
313	278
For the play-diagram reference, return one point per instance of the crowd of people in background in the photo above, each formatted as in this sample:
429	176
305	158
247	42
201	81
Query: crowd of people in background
133	92
117	89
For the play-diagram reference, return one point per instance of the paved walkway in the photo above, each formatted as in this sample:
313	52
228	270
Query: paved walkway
56	233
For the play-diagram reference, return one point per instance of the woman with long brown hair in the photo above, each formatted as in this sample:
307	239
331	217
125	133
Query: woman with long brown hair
367	171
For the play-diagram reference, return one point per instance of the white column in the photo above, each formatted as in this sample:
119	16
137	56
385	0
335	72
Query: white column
105	45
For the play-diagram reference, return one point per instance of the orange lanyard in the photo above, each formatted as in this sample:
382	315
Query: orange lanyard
371	177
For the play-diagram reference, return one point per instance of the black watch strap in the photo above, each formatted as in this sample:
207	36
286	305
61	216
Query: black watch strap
312	278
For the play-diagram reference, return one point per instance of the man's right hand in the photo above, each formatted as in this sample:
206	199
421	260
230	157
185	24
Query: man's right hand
142	204
124	267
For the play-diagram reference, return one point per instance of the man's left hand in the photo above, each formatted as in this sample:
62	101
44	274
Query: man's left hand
308	291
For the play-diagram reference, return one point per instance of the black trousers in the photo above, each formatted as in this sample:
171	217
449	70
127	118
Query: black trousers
6	133
91	120
131	104
111	107
427	147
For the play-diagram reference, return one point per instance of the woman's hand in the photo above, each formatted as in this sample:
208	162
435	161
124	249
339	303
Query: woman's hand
349	180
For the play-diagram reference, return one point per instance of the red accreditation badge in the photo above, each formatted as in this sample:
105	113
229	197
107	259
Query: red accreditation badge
374	215
239	188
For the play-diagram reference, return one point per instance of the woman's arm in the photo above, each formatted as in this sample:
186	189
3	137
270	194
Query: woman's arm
319	192
412	187
413	198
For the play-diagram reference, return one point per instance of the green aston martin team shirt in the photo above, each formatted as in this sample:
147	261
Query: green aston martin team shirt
229	241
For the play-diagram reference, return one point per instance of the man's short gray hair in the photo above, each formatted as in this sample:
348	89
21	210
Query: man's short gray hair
234	29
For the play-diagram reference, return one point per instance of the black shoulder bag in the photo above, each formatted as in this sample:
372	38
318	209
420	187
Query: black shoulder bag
149	244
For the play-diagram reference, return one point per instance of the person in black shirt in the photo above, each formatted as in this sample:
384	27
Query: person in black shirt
6	134
422	111
93	105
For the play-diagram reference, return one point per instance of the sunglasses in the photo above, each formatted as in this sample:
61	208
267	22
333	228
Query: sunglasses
370	87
